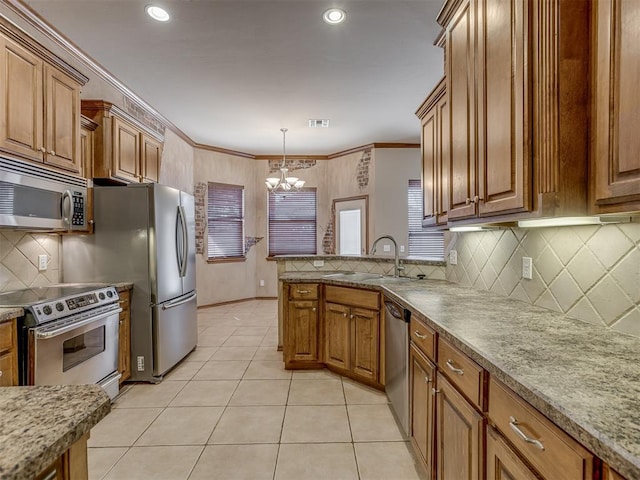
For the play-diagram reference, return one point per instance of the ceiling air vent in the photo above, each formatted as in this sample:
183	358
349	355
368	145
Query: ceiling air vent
318	123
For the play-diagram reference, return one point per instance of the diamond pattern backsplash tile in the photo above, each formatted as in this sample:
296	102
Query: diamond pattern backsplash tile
590	273
19	260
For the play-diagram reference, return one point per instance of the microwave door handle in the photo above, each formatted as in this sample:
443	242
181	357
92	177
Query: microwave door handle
185	241
178	237
66	212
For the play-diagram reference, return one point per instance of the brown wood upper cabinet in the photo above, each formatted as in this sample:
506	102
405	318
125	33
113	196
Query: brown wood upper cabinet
125	149
615	163
39	104
517	102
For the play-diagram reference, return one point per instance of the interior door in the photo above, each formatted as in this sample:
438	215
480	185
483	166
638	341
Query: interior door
165	257
351	225
189	279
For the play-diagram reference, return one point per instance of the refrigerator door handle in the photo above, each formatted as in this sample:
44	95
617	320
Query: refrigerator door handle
185	241
169	305
179	236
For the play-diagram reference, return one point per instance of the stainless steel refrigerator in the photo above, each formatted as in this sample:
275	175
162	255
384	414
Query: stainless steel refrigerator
145	234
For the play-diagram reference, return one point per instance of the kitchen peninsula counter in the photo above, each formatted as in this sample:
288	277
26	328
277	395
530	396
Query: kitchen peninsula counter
39	424
9	313
583	377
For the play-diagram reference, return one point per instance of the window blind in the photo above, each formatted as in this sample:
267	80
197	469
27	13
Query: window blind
225	215
422	243
292	223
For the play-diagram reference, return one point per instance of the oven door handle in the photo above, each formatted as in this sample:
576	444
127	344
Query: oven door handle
169	305
44	334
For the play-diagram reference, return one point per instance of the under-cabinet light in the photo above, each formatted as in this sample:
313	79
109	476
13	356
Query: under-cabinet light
471	228
571	221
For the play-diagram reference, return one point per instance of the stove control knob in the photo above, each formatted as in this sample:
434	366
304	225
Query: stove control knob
109	293
59	306
101	296
47	309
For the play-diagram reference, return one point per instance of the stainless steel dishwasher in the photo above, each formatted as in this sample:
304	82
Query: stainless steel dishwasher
397	361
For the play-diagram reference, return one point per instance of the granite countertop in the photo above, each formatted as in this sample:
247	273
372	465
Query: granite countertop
122	286
38	424
583	377
364	258
9	313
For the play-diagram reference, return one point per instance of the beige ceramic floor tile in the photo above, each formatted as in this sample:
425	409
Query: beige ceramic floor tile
207	340
218	330
266	370
261	392
206	393
319	461
236	462
102	459
155	463
269	342
385	460
182	426
244	341
318	391
122	427
251	331
222	370
201	354
184	371
249	425
311	424
146	395
268	353
234	353
373	423
358	394
322	373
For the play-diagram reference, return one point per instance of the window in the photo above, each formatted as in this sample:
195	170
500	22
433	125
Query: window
225	216
292	223
422	242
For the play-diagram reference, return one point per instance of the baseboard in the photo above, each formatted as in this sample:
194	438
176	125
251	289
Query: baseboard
236	301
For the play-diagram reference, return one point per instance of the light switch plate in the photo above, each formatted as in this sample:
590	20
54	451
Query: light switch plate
42	262
386	248
318	263
527	268
453	257
401	248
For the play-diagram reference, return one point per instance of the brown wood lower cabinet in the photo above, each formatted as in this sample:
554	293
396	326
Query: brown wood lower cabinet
422	376
71	465
336	340
503	463
301	345
8	353
124	339
459	435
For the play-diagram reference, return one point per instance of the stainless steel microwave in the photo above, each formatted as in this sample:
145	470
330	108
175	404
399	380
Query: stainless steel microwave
34	198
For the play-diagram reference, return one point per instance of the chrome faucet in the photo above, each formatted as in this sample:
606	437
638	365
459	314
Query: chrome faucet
397	266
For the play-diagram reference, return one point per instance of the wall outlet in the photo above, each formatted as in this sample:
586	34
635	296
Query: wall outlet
527	268
141	363
401	248
42	262
318	263
453	257
261	283
386	248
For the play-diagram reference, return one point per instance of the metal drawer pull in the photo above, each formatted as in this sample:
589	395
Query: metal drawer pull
513	423
419	335
459	371
313	309
0	373
435	391
304	292
427	380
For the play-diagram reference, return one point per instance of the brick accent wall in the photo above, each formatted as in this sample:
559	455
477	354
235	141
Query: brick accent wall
200	195
362	170
293	164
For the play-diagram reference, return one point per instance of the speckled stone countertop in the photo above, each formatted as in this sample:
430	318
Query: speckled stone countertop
9	313
369	258
122	286
583	377
38	424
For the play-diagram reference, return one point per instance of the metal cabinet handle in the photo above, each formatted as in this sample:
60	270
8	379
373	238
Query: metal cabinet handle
303	292
459	371
43	150
513	423
344	314
351	316
419	335
435	391
427	380
0	373
468	201
313	309
52	152
476	199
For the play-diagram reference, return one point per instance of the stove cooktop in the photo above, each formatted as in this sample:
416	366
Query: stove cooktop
31	296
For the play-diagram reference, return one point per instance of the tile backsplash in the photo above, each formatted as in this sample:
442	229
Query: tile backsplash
591	273
19	259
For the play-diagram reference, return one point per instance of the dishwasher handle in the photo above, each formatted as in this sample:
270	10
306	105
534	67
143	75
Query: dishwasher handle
397	311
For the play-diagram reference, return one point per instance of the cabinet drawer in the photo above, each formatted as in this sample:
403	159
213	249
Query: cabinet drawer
7	370
556	455
423	337
464	373
353	297
6	336
303	291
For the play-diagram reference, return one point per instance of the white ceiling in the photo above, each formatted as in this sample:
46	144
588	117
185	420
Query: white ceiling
231	73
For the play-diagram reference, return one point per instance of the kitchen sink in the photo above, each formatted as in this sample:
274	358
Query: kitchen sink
354	276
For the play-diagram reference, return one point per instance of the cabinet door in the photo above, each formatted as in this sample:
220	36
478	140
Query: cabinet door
86	152
365	325
503	463
151	153
62	121
21	107
460	48
459	433
422	374
8	370
126	151
443	162
124	341
503	116
337	344
430	178
302	332
615	163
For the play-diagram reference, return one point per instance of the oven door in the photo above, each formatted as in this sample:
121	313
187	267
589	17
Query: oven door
77	350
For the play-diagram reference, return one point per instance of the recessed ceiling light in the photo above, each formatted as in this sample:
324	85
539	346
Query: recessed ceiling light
157	13
334	16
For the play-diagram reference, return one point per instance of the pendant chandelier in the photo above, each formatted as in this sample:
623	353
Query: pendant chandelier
284	183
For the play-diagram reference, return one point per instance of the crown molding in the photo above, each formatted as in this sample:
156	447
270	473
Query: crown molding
292	157
434	96
211	148
370	146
